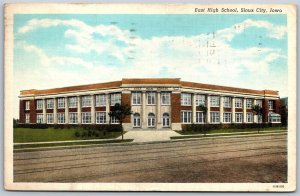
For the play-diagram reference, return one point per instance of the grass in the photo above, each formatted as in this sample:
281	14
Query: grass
22	135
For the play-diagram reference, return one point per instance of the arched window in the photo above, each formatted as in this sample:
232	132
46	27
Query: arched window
166	120
151	120
136	120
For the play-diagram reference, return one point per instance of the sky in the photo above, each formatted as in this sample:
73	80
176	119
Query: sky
57	50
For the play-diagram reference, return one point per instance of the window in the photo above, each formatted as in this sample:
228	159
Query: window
60	118
227	117
136	98
271	105
259	102
150	98
259	118
86	101
151	120
215	117
226	102
115	98
73	119
238	102
49	118
249	117
186	117
249	103
186	99
100	100
27	105
274	118
39	104
39	118
200	100
165	98
199	117
50	103
27	118
86	117
166	120
136	120
238	117
214	101
61	103
100	117
73	102
114	120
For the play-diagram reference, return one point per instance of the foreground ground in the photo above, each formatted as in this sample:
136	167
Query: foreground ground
260	158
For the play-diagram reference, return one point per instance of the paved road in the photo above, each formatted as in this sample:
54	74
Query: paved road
246	159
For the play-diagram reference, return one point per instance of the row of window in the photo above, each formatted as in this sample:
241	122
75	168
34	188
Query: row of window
165	98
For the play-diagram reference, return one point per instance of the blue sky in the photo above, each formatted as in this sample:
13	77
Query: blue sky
248	51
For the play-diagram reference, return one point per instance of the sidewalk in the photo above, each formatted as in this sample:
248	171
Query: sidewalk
149	136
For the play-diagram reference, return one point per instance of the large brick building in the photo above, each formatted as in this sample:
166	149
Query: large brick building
156	103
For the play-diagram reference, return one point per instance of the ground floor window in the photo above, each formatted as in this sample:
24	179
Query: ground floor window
186	117
215	117
39	118
249	117
60	118
49	118
238	117
259	118
27	118
73	118
136	120
274	118
166	120
114	120
86	117
227	117
199	117
100	117
151	120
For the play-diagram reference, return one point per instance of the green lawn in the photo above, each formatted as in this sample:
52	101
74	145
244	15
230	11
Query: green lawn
22	135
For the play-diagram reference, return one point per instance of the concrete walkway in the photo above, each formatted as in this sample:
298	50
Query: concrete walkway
149	136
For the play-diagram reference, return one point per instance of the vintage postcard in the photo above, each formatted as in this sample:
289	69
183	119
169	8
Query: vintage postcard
150	97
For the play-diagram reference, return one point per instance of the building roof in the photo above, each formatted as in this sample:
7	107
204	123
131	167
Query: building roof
140	81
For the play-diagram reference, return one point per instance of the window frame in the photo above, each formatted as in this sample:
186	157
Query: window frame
136	120
186	114
227	102
271	103
249	103
100	100
167	96
27	105
72	102
166	120
238	102
86	101
214	118
75	117
39	118
114	120
136	98
151	96
115	98
214	101
86	117
50	103
39	104
61	118
199	116
47	118
186	99
61	103
227	119
241	115
200	99
100	120
27	118
251	117
151	118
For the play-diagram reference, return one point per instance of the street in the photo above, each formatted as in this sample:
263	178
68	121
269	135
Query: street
260	158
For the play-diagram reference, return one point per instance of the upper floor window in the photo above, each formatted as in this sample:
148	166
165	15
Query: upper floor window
226	102
61	103
39	104
186	99
115	98
86	101
72	102
259	102
136	98
27	105
214	101
150	98
100	100
165	98
249	103
238	102
50	103
271	105
200	100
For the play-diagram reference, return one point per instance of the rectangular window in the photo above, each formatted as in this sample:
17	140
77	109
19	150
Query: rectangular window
136	98
165	98
115	98
73	118
60	118
226	102
150	98
39	118
27	105
271	105
200	100
249	117
227	117
238	117
72	102
215	101
259	102
186	99
100	117
114	120
249	103
86	117
215	117
238	102
27	118
86	101
100	100
199	117
50	103
49	118
39	104
61	103
186	117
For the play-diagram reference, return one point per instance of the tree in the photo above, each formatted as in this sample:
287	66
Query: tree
203	108
120	112
257	110
284	115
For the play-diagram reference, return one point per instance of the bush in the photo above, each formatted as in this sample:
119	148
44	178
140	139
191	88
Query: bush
77	134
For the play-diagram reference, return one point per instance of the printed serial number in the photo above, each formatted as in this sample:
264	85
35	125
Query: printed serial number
278	186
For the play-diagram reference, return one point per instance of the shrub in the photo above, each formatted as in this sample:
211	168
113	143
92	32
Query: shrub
77	134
